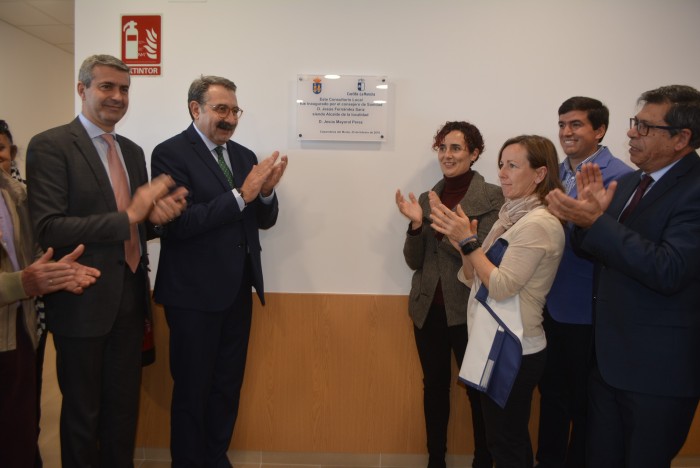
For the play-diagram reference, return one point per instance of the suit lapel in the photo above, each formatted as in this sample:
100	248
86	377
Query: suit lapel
206	156
666	183
237	164
85	147
625	188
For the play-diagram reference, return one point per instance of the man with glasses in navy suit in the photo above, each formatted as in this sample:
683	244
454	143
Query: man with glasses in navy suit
643	232
209	260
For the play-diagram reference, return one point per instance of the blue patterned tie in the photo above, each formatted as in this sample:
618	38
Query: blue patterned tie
222	164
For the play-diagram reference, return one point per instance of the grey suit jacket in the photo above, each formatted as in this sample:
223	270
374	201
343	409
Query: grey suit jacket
433	260
71	202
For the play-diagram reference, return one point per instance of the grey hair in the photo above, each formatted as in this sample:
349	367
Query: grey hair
85	73
200	86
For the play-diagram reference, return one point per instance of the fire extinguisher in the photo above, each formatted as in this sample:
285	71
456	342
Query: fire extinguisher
131	40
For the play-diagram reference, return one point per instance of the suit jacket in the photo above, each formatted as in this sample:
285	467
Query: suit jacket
71	202
204	251
435	260
646	300
570	299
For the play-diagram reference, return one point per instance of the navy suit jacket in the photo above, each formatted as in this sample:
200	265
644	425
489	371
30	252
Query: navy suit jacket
71	201
647	291
203	252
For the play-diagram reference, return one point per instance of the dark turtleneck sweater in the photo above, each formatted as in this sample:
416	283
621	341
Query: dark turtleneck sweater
453	192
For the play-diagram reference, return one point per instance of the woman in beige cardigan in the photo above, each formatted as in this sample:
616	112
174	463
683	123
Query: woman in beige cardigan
528	170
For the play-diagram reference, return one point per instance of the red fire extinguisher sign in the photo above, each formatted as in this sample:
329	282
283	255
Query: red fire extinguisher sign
142	44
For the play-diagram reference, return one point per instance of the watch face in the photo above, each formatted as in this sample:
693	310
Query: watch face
470	247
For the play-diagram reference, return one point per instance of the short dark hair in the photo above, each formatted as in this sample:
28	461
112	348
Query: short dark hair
85	73
596	111
5	130
540	153
200	86
684	111
472	136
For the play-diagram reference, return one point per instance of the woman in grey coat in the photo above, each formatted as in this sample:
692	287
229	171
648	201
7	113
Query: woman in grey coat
438	301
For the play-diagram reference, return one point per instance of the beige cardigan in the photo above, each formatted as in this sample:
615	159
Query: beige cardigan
535	246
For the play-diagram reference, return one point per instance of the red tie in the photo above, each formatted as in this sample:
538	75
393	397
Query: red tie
123	197
638	194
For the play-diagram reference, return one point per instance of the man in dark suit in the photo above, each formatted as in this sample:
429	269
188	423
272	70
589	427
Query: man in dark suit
76	174
209	259
645	385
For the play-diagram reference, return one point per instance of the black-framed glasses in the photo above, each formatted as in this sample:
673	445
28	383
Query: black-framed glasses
643	127
222	110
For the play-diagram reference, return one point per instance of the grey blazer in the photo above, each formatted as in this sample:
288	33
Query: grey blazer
433	260
71	202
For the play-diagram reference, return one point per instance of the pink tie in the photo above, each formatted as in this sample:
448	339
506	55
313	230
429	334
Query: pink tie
123	197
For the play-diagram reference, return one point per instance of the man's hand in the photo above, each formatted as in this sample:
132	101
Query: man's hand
589	181
84	277
45	276
593	198
145	197
169	207
258	176
274	177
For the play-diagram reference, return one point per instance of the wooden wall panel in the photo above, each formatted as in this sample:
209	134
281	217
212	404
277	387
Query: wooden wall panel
326	373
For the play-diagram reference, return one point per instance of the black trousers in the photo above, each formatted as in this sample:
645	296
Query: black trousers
634	430
507	428
436	342
100	380
208	351
19	428
564	395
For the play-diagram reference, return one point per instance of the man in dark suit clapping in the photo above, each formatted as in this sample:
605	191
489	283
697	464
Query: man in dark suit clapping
209	260
643	232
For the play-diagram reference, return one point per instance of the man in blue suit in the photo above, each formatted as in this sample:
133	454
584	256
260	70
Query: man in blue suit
643	232
568	316
209	260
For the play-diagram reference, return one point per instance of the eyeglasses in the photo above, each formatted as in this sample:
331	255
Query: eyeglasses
222	110
643	127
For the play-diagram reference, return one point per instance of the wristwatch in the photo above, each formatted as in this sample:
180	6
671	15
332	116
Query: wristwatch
240	192
470	247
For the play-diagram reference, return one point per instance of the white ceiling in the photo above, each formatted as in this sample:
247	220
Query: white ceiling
49	20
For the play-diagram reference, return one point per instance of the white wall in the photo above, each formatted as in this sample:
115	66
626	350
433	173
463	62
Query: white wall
504	65
36	86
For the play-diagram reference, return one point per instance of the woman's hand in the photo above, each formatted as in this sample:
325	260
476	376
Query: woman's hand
410	209
456	225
